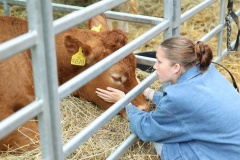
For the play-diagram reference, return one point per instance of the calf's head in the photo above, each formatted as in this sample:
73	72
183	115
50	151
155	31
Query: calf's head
121	75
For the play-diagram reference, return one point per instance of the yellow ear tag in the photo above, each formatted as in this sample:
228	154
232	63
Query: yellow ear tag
97	29
78	58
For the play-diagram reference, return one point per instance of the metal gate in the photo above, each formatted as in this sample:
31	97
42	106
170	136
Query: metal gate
40	39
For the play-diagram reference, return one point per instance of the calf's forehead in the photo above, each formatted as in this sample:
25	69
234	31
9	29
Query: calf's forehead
123	67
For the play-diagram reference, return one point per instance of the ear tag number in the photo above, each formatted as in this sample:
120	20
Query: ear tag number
97	29
78	58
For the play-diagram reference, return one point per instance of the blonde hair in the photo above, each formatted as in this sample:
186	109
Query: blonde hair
182	50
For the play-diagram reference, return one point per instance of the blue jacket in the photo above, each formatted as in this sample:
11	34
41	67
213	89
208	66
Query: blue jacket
198	118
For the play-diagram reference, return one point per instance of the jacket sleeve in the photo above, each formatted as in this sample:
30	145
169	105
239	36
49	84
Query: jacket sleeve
157	97
159	125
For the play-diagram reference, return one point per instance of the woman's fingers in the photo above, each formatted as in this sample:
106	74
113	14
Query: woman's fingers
110	95
104	96
103	91
115	93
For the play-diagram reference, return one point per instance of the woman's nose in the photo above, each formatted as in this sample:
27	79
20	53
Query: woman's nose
155	66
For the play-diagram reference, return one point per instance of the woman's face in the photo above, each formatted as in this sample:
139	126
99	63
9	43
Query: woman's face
166	70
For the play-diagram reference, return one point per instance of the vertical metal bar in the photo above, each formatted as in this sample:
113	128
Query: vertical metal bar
7	10
40	78
221	21
52	77
176	17
168	14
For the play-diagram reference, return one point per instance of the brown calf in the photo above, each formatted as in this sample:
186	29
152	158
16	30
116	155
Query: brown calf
16	87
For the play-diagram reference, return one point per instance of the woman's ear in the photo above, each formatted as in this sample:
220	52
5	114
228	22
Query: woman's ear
177	68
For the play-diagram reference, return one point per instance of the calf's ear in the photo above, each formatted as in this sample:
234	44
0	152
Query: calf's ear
72	45
98	20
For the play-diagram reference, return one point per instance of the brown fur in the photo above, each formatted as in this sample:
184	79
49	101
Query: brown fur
16	87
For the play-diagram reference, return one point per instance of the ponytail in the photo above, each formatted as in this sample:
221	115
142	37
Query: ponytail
204	55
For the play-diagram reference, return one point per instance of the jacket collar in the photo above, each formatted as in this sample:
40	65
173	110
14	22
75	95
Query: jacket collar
189	74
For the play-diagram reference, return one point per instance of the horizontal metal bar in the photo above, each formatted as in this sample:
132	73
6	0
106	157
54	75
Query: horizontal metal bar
109	14
74	18
18	44
23	115
133	18
65	7
212	33
224	53
216	30
113	15
87	132
122	148
145	60
193	11
92	72
14	2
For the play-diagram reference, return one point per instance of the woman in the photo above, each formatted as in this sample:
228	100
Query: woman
198	116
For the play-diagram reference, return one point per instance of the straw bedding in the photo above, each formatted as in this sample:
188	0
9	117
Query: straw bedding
77	113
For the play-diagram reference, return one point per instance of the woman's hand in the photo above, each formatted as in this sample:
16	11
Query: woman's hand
111	95
148	92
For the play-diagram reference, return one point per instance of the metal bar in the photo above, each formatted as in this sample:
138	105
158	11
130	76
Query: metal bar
133	18
92	72
224	53
212	33
145	60
74	18
176	17
217	30
221	22
109	14
66	8
112	15
122	148
87	132
18	44
193	11
16	2
23	115
6	7
52	78
40	78
168	15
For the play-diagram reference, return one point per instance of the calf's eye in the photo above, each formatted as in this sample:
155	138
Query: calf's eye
118	78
